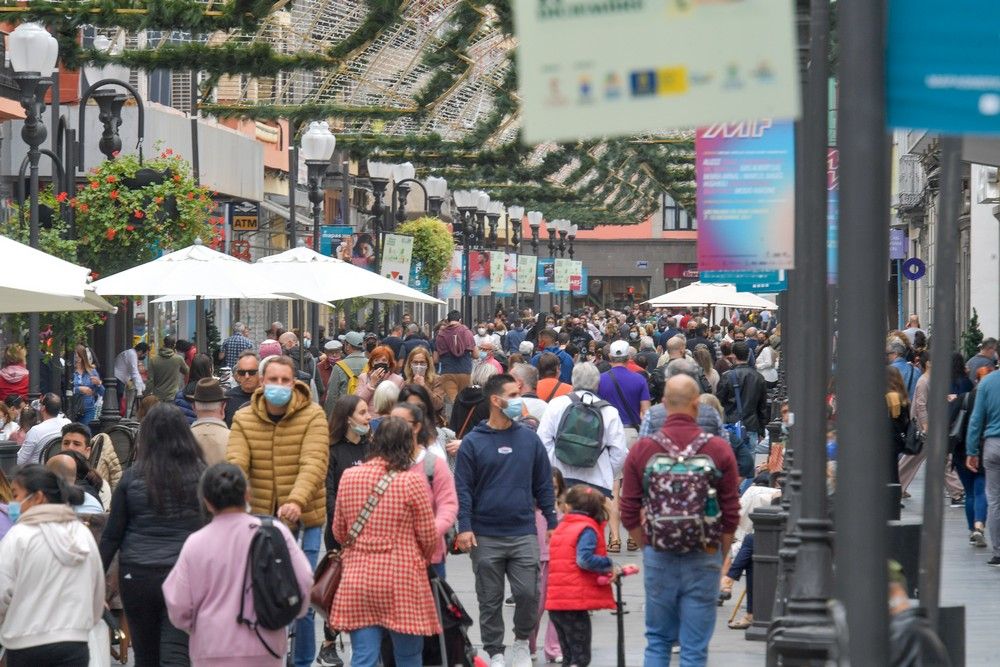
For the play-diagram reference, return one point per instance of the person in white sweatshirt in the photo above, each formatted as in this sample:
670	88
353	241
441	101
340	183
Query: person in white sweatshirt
51	578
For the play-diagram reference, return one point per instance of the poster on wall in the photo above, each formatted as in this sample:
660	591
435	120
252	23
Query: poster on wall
397	251
599	68
546	275
496	271
526	271
452	283
575	276
479	274
359	250
509	286
745	176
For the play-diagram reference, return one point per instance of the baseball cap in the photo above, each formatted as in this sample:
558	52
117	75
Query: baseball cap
332	345
619	349
353	338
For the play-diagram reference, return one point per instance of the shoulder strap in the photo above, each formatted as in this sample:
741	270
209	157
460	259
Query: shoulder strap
692	448
628	408
554	390
465	424
342	365
370	505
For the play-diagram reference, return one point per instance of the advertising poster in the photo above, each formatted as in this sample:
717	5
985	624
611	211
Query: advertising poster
526	271
479	274
942	69
546	275
832	213
451	285
396	255
576	276
496	271
417	280
509	286
745	176
359	250
564	269
331	236
582	289
598	68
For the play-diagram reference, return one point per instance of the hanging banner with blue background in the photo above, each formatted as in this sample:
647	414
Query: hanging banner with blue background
746	196
452	284
546	275
943	66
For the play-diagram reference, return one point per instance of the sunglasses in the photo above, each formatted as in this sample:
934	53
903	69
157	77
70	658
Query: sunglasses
250	372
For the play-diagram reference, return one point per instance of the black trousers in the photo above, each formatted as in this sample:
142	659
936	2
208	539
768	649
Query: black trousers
61	654
573	628
155	640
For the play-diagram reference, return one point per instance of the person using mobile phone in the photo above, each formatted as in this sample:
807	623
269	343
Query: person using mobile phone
381	363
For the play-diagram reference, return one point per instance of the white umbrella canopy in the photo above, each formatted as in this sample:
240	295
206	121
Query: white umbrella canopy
305	273
36	282
710	294
196	270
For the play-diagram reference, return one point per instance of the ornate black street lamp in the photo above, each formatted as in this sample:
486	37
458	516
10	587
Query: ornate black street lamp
466	202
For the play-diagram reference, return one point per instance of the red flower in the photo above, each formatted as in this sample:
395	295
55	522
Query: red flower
61	197
190	195
94	185
84	208
111	179
130	228
158	200
138	214
72	202
177	178
94	275
110	234
169	151
114	194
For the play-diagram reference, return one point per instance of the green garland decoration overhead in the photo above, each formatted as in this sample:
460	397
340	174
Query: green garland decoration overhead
300	114
187	15
257	59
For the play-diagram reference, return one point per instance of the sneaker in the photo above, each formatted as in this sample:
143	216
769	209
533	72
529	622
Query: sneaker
994	562
509	602
957	502
977	538
328	656
520	654
497	660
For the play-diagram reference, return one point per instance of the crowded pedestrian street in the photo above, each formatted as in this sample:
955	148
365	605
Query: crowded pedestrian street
499	333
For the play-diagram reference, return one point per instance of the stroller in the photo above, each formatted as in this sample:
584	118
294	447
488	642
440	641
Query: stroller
453	642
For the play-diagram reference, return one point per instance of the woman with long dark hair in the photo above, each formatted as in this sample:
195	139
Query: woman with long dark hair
398	537
201	367
52	590
153	511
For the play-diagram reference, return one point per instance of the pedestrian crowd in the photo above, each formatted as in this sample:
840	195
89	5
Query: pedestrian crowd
273	481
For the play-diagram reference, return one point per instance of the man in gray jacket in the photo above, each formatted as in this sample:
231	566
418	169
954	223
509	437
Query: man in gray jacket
340	377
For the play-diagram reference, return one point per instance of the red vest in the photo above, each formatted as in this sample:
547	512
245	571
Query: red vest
571	588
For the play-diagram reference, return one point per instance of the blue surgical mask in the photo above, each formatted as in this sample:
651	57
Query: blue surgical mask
482	354
14	510
513	408
361	429
275	394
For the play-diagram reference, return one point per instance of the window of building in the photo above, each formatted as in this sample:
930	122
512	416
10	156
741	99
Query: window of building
675	217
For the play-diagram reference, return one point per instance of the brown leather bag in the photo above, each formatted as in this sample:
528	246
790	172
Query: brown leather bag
330	568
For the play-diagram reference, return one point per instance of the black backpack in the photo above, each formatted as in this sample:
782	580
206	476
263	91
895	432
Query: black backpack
277	600
580	437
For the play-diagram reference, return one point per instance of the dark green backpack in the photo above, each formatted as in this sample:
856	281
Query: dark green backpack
580	438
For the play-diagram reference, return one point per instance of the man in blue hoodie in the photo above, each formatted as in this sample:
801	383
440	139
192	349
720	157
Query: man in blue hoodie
548	341
502	474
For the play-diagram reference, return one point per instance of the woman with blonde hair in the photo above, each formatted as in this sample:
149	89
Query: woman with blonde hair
419	370
704	359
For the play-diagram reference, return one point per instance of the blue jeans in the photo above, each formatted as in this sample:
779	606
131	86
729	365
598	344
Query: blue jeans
305	627
681	596
974	484
366	647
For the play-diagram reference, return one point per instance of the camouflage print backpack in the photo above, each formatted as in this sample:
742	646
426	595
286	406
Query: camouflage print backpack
682	510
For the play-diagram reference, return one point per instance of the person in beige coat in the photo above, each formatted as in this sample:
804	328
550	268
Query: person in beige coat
210	428
281	441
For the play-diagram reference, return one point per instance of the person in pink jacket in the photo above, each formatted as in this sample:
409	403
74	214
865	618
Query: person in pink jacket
203	590
434	466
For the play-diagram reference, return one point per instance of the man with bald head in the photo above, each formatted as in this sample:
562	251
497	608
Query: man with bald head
305	364
681	588
64	466
676	349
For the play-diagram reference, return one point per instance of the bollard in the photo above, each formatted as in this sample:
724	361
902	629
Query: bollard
768	524
904	547
951	631
895	501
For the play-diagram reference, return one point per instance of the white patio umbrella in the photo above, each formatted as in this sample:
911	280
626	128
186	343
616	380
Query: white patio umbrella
36	282
305	273
708	295
196	270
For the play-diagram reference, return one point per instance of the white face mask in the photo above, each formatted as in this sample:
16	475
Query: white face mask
419	369
481	331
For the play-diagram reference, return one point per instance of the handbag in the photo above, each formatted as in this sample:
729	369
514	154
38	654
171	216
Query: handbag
913	442
330	569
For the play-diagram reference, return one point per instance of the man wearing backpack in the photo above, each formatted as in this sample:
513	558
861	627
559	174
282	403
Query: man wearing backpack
681	570
344	375
742	392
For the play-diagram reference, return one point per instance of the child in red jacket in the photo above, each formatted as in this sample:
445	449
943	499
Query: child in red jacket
577	558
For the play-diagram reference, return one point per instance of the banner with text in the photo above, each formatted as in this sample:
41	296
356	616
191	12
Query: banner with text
575	276
598	68
582	289
546	275
496	271
452	284
564	268
746	196
479	274
397	251
526	273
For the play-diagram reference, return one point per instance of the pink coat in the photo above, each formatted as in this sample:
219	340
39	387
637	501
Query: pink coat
365	391
444	501
202	594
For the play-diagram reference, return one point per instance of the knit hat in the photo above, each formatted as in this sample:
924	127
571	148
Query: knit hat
268	348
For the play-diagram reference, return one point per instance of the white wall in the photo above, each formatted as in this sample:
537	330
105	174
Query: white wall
985	265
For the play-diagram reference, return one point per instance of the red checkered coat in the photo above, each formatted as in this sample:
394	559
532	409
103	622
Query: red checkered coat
385	572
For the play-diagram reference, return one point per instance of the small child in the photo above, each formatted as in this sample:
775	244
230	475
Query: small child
577	557
552	650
